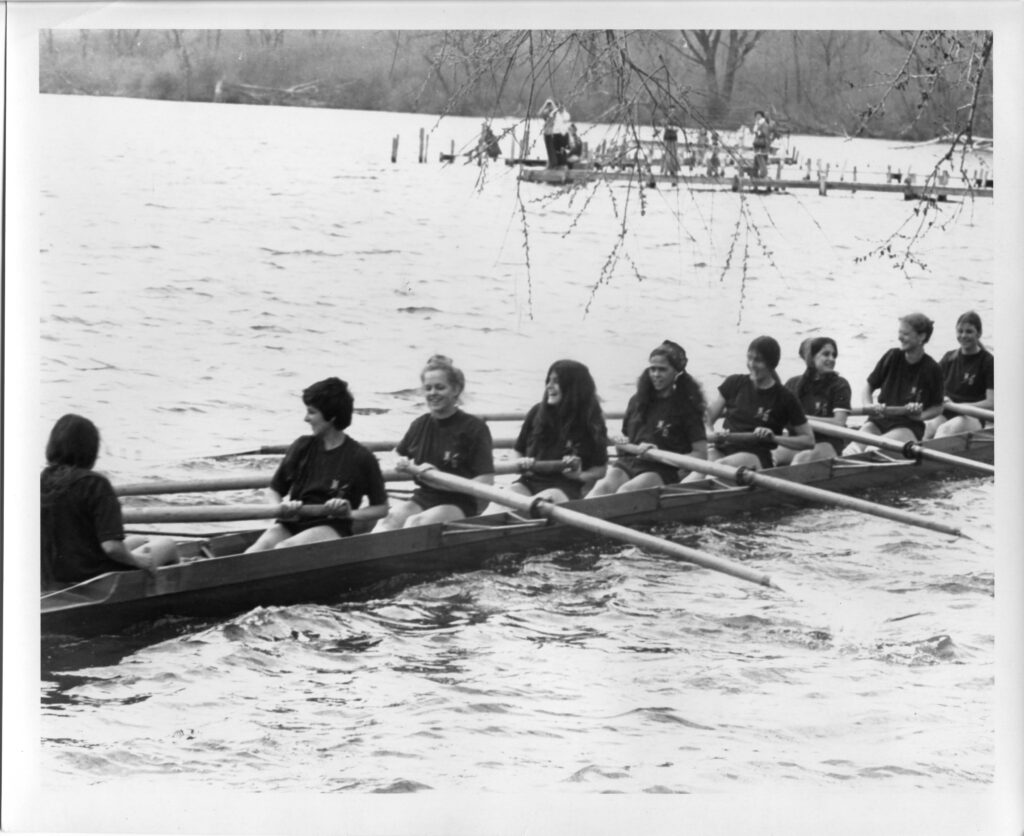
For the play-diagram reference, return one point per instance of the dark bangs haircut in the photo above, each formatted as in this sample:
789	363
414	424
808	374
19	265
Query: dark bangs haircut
332	398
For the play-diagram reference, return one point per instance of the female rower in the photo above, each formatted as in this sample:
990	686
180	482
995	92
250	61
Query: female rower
909	387
328	468
666	412
82	533
566	425
968	374
757	406
824	395
450	440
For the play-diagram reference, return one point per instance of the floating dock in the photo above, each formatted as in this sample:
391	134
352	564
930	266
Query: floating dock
911	189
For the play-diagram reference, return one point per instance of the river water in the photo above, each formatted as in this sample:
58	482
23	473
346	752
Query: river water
198	265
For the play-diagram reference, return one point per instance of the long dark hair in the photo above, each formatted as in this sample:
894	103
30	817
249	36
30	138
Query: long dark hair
578	412
684	390
810	373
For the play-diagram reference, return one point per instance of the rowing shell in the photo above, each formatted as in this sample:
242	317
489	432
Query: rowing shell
215	580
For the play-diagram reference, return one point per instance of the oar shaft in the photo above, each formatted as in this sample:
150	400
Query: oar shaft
911	450
262	480
795	489
212	513
530	505
973	411
961	408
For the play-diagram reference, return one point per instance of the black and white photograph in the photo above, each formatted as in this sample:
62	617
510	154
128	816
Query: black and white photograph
498	418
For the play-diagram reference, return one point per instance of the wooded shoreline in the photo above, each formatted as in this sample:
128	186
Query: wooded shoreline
812	83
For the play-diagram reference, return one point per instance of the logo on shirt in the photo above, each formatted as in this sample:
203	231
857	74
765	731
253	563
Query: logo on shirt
450	459
764	414
663	428
969	378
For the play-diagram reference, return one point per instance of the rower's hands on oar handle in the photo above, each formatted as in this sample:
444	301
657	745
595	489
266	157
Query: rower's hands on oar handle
338	508
403	464
567	465
762	435
290	509
881	410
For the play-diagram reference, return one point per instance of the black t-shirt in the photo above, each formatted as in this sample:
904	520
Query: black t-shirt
820	398
968	377
313	475
673	423
591	447
901	382
748	407
78	512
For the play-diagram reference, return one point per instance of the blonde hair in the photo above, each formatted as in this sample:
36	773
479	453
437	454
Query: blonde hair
441	363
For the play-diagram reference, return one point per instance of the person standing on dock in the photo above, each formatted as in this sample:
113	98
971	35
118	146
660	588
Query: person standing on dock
328	468
762	143
487	145
547	113
449	439
568	426
968	375
758	409
560	137
823	394
667	413
909	386
574	153
670	140
81	529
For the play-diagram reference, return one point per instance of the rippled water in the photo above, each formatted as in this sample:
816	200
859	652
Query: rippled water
199	265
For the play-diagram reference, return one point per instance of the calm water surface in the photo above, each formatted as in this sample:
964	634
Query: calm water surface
201	264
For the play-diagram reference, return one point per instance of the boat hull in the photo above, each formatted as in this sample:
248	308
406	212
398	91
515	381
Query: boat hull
221	582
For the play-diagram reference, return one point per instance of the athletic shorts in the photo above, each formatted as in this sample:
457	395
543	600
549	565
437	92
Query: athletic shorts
633	467
535	484
884	425
428	498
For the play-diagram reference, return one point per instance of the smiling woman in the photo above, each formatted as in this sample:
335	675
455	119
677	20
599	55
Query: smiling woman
326	468
447	438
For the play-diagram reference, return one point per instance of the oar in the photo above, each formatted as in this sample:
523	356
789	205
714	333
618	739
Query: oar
542	508
962	408
213	513
262	480
746	476
384	446
973	411
372	446
910	449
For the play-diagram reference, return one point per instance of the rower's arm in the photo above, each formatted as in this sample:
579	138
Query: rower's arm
800	438
714	412
370	512
117	551
867	397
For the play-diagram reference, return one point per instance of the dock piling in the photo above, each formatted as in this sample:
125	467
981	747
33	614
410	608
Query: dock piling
394	148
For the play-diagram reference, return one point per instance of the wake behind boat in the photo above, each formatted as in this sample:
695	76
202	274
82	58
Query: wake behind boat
216	579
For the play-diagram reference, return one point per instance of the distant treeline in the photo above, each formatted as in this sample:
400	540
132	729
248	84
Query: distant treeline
891	84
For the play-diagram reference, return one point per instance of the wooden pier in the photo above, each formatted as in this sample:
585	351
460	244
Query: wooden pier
911	189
